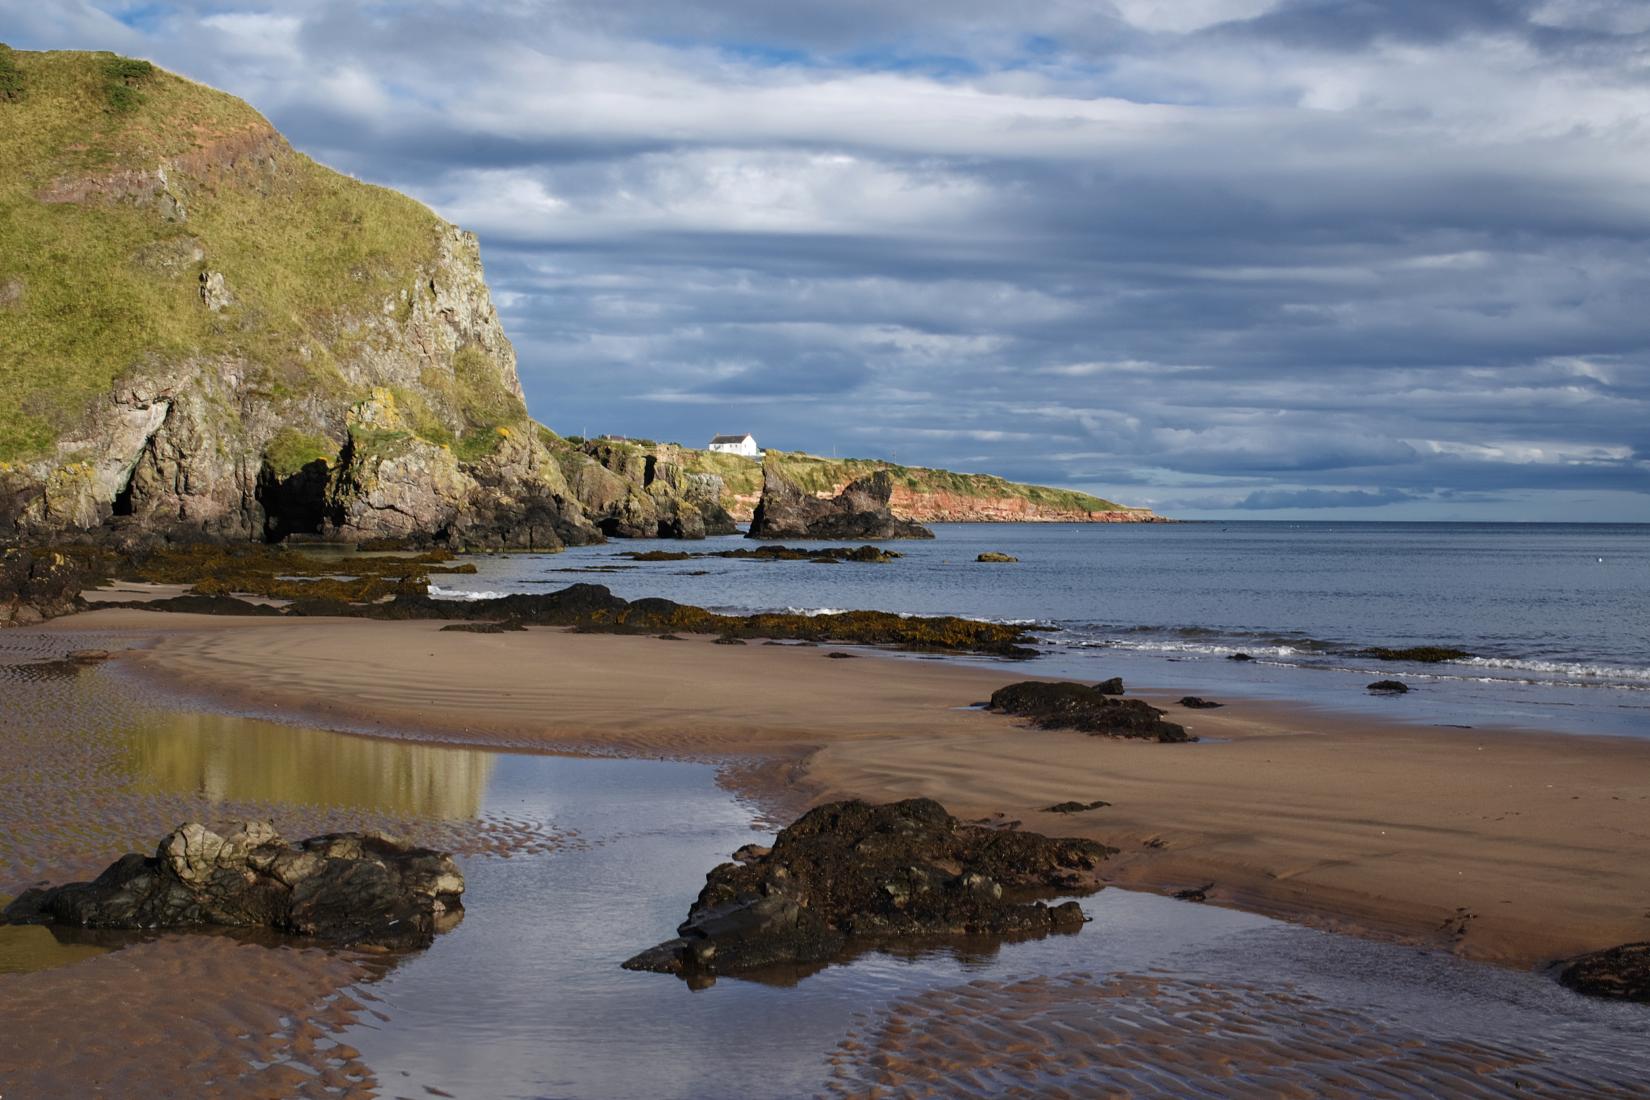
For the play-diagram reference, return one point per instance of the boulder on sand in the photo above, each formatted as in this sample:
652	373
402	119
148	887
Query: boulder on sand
348	889
850	872
860	511
1088	709
1621	973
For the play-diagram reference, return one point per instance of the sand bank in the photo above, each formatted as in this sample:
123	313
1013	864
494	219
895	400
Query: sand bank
1508	846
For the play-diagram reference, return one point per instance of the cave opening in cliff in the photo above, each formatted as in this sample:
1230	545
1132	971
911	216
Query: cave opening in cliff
123	499
294	504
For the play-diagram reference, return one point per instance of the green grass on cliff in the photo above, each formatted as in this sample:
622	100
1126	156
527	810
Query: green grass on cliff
820	475
89	290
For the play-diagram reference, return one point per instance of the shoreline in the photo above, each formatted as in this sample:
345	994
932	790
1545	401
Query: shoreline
1506	846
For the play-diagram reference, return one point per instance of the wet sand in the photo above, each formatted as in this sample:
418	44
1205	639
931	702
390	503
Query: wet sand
1507	846
1158	1035
199	1015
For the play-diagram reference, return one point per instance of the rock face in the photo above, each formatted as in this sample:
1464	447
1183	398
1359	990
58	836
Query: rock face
860	511
1620	973
849	872
344	889
274	350
1080	707
630	490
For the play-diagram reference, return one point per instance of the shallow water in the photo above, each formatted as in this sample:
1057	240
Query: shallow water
526	997
1556	615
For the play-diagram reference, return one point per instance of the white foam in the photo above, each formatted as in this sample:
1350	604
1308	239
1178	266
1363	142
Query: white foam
1580	669
438	593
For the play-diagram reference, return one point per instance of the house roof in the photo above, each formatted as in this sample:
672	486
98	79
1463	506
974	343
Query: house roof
731	438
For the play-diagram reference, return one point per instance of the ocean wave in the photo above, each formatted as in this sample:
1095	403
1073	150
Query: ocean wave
1579	669
1208	649
436	592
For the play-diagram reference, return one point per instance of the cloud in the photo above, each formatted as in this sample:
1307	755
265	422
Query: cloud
1214	252
1263	500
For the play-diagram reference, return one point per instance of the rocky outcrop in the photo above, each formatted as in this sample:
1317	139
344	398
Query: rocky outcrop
344	889
920	494
1620	973
39	584
1053	706
284	352
631	490
849	872
860	511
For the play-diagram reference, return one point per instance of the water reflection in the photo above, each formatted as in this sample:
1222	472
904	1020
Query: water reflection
246	760
24	948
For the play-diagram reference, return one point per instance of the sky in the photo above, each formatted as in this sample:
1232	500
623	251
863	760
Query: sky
1265	259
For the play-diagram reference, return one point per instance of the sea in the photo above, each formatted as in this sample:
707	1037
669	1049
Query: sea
1555	617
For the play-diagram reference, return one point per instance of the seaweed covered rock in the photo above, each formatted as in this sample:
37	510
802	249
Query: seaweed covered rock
343	888
850	872
860	511
1080	707
1621	973
39	584
864	554
1420	654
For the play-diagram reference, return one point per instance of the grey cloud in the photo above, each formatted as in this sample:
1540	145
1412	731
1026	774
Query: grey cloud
1285	256
1273	499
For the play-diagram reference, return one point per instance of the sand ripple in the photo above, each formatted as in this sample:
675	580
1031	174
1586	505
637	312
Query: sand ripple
1159	1036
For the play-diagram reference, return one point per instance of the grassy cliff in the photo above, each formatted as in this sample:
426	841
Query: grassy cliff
920	493
201	327
102	265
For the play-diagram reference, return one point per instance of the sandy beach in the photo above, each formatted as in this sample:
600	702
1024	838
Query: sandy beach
1513	847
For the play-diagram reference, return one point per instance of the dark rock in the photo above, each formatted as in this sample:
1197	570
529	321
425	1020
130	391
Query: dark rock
218	605
1114	686
1080	707
728	640
1621	973
40	584
592	608
1194	702
88	656
670	638
1195	893
1389	687
1075	807
486	628
1239	657
850	872
992	556
860	511
838	655
344	888
1422	654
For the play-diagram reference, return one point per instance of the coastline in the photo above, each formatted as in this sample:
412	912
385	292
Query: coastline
1510	847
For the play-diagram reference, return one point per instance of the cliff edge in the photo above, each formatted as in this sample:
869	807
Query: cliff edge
205	333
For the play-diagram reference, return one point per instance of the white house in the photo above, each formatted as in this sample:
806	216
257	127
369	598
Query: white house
736	445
